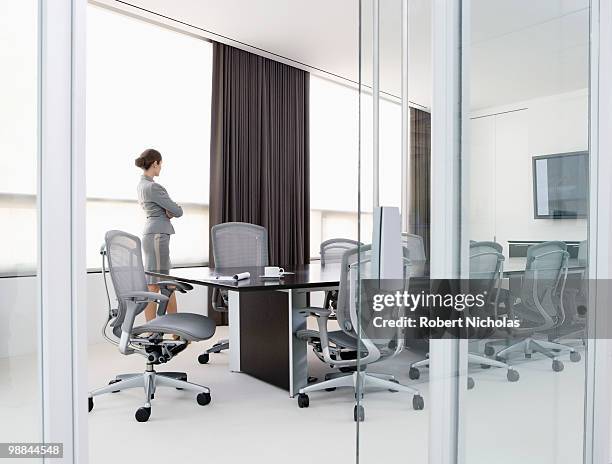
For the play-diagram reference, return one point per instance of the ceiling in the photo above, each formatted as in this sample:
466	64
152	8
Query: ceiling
521	49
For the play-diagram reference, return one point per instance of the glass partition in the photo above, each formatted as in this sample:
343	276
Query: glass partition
20	385
525	209
394	205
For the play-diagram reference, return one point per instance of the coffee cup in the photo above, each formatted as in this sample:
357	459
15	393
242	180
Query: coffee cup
273	271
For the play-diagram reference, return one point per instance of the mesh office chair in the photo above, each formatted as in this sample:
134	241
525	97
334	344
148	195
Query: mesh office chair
416	253
539	306
573	331
234	244
328	345
123	252
486	271
331	252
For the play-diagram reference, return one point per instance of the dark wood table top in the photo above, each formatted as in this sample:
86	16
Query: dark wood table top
306	276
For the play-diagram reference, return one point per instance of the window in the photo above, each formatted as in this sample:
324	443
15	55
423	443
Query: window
334	153
147	87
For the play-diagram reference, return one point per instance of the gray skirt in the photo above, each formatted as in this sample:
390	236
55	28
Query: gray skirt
156	249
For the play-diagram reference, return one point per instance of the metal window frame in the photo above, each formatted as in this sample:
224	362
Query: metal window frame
61	225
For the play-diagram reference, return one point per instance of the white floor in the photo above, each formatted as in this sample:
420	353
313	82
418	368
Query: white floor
536	420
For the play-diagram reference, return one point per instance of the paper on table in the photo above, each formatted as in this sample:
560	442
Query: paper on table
239	276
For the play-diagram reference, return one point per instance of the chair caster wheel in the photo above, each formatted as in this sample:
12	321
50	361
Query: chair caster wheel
204	358
418	402
113	382
512	375
557	365
391	389
358	413
303	400
470	383
143	414
203	398
489	350
414	373
485	366
330	389
574	356
89	404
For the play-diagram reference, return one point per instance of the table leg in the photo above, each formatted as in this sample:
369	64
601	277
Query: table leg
298	362
234	330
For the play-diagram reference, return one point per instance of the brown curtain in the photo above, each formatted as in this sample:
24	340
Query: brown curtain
259	150
420	173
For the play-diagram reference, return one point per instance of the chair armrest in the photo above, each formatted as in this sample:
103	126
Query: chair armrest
180	286
322	316
317	312
168	287
143	296
218	301
135	303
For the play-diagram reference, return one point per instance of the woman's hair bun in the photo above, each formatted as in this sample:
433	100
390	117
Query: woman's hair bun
147	158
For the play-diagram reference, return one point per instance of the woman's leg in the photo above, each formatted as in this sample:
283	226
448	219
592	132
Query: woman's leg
151	309
171	308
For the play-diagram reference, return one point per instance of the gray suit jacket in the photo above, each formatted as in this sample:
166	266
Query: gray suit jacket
155	201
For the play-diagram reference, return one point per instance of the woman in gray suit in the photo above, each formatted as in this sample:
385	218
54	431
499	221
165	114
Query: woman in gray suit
159	209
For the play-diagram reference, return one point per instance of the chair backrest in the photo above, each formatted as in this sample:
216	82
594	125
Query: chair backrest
545	273
124	255
485	246
415	245
416	253
486	263
237	244
356	266
583	251
486	260
333	249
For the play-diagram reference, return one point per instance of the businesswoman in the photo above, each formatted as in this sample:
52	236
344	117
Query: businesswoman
159	209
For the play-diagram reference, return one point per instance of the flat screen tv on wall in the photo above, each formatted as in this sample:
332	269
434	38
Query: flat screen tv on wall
561	185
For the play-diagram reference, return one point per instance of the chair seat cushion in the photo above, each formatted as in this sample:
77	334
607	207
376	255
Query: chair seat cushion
189	326
338	337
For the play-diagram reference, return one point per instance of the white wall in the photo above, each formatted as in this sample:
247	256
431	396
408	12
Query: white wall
19	318
503	142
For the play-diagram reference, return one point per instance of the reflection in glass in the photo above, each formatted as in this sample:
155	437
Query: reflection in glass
527	177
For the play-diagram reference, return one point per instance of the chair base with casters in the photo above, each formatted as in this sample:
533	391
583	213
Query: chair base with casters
511	374
342	347
573	339
218	347
359	381
157	351
149	380
529	345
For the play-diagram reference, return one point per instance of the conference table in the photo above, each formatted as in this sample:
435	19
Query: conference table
264	315
515	266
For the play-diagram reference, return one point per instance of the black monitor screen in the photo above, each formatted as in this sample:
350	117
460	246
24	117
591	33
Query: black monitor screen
560	185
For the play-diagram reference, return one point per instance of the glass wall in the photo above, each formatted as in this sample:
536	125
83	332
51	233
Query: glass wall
526	197
20	386
147	87
334	143
394	151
